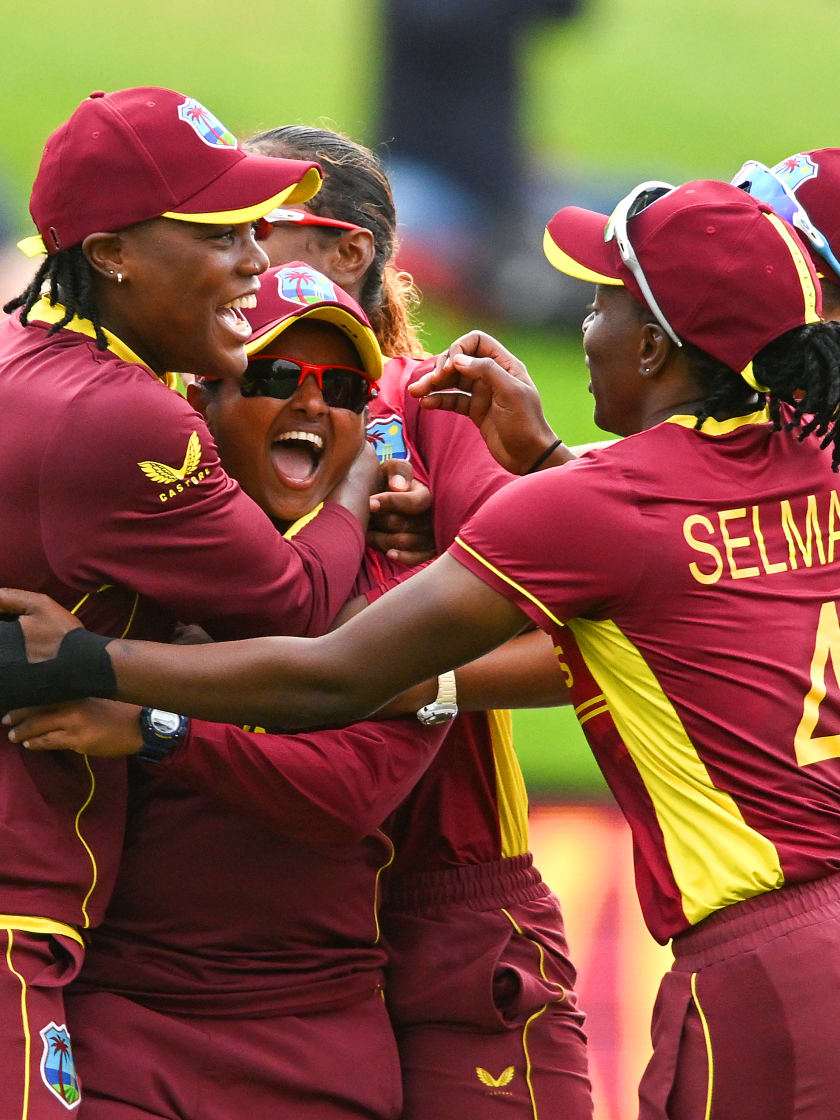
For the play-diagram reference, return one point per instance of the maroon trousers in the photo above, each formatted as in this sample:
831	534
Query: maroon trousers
746	1024
38	1078
138	1063
481	994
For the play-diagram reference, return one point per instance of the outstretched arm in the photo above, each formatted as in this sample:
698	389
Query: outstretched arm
441	618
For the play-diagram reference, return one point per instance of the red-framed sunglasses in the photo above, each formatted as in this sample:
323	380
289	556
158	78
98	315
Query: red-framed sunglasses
341	386
283	215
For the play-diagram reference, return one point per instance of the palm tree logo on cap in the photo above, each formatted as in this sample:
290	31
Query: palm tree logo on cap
207	127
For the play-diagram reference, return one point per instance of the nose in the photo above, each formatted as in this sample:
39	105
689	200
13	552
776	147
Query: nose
587	322
308	398
253	260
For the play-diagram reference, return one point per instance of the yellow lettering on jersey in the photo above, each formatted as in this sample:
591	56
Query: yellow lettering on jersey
731	543
689	524
810	748
564	668
769	568
800	534
812	529
833	531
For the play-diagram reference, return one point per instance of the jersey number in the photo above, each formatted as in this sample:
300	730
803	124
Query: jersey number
809	747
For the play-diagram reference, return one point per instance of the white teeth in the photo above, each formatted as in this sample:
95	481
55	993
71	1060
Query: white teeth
242	302
307	437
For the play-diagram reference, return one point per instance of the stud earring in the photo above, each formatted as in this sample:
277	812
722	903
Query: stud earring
119	278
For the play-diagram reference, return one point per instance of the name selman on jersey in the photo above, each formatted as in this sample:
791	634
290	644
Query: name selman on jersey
691	581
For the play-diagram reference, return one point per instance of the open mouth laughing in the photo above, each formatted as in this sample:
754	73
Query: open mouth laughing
296	456
231	317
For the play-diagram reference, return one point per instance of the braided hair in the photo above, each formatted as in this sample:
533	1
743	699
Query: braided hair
800	368
69	277
356	189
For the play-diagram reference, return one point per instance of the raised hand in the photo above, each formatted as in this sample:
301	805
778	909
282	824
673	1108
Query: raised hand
479	378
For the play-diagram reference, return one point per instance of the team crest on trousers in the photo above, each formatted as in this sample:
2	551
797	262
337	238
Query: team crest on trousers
58	1070
795	170
206	127
387	438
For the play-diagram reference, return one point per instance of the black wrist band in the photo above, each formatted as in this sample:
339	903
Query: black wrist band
81	668
548	451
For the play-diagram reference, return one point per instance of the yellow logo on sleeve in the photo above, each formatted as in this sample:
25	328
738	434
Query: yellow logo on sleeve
504	1078
176	478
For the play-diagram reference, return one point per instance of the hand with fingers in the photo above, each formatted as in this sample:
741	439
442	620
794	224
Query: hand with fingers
495	390
105	728
46	655
401	516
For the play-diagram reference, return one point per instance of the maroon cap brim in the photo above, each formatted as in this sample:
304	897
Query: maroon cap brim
250	189
574	244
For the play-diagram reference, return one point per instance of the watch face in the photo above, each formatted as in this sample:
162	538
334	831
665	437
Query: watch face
164	723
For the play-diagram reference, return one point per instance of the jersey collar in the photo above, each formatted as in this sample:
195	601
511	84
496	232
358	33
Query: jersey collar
45	312
712	427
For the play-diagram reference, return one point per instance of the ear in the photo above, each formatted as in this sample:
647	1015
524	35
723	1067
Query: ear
104	253
351	257
654	350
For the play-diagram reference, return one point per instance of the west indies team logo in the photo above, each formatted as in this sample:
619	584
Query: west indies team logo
58	1071
794	171
304	285
207	127
386	435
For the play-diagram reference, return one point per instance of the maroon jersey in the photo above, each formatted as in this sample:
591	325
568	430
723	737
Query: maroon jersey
114	503
249	882
690	580
471	805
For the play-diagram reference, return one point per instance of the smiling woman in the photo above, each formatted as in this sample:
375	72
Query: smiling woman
143	203
290	427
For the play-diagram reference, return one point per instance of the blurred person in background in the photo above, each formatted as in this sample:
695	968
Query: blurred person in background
451	122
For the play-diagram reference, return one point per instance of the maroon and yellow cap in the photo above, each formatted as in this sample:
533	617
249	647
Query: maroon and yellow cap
297	291
727	272
145	153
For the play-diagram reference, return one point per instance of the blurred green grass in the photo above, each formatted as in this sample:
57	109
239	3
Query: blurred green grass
626	90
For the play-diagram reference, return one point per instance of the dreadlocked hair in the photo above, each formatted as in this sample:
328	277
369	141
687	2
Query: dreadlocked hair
69	279
727	393
802	368
356	189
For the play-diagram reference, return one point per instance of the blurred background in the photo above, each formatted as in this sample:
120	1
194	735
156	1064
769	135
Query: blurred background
490	114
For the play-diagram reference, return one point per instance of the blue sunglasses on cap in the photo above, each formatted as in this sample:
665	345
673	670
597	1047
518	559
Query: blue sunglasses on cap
760	182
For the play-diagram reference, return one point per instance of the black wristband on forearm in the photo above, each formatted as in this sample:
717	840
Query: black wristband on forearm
542	458
81	668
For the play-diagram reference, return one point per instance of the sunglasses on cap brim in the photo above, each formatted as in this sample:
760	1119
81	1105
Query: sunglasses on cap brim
761	183
279	378
283	215
642	196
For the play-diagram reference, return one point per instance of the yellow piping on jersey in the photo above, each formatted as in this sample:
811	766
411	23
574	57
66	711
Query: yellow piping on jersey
588	710
512	583
511	795
86	846
24	1020
712	427
27	924
52	313
715	857
710	1061
301	522
383	868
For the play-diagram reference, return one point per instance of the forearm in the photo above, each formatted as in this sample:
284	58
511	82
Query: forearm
443	617
523	673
